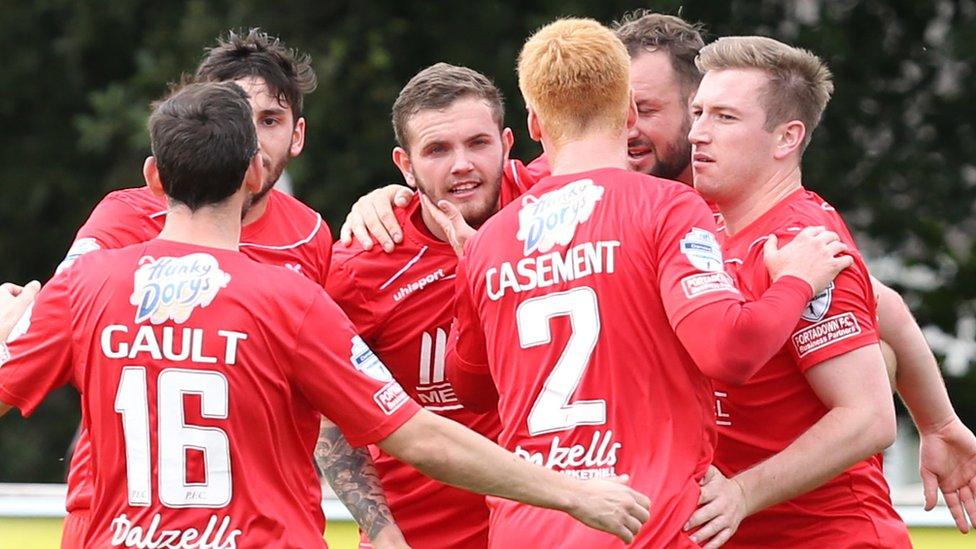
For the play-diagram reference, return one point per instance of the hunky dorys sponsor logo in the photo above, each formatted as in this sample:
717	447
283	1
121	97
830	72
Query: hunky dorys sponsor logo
170	288
553	218
598	459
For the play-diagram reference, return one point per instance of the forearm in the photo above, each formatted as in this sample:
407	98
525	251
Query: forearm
840	439
353	477
452	454
730	341
918	379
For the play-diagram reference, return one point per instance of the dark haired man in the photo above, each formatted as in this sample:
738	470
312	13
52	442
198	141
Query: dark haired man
277	229
452	144
203	374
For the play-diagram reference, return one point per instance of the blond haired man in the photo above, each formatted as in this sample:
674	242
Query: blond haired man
803	436
577	303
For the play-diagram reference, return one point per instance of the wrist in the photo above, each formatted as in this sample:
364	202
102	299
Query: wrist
389	536
748	494
936	426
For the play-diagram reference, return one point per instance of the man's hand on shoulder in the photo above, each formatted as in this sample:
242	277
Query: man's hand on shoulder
812	256
14	301
372	215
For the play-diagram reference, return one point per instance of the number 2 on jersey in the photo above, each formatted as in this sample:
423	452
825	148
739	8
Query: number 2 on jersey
174	437
552	410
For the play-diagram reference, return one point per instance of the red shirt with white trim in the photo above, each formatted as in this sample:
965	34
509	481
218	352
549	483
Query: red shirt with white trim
402	304
777	405
288	234
568	297
202	375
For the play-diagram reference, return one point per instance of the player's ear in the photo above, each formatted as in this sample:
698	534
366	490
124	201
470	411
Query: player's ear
789	138
297	138
631	111
402	160
150	172
535	128
254	176
508	139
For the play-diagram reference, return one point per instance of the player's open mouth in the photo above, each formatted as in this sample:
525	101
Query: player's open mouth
638	153
462	190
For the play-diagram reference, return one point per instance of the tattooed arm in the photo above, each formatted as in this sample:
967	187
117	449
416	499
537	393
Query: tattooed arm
352	476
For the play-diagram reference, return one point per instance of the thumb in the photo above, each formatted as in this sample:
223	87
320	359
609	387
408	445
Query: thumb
402	197
771	245
450	210
32	288
930	488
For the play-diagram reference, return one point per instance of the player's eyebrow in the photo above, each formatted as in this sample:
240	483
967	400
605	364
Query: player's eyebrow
272	111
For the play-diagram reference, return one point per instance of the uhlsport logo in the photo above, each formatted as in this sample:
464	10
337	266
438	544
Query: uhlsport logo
169	288
553	217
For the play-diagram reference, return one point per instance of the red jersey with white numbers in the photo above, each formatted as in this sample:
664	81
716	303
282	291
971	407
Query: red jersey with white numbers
402	304
777	405
568	297
288	234
202	375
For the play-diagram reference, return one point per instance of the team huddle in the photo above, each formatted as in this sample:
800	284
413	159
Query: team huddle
652	334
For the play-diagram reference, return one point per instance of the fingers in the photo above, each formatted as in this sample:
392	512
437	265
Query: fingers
929	488
955	508
379	219
710	529
719	539
968	503
403	196
771	245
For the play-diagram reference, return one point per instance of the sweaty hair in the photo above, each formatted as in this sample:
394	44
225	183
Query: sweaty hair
287	72
438	87
799	84
646	31
575	75
203	140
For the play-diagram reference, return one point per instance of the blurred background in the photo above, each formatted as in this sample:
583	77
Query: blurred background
896	153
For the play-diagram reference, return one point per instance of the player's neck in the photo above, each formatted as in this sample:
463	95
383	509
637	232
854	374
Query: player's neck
587	153
742	210
256	210
211	226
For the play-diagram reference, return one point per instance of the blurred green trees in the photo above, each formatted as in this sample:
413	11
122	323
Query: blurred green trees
896	152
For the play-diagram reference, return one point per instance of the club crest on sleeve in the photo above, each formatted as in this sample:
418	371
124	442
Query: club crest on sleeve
817	308
365	361
552	218
702	250
170	288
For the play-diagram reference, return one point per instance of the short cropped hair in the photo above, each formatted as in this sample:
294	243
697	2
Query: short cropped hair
438	87
575	74
287	72
799	85
646	31
203	140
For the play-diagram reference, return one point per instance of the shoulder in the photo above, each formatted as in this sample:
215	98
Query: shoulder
140	200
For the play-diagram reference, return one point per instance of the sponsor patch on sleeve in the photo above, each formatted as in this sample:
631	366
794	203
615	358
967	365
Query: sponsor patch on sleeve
817	308
826	332
703	283
702	250
390	397
365	361
79	248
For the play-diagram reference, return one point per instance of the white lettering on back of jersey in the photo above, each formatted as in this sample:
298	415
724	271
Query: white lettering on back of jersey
167	342
541	271
127	534
600	456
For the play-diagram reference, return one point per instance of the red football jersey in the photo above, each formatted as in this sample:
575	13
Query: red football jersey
771	410
289	233
568	297
202	376
402	304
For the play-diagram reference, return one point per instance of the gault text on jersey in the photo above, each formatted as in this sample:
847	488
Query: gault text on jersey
169	343
580	261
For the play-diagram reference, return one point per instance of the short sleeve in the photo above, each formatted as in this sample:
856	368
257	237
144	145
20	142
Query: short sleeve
323	241
113	224
838	320
342	287
341	377
36	362
691	270
470	349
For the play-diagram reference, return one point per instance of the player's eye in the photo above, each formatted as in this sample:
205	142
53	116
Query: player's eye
269	121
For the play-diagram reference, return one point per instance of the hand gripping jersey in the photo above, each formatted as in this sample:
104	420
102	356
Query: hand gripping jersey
288	234
569	297
402	304
774	407
202	375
